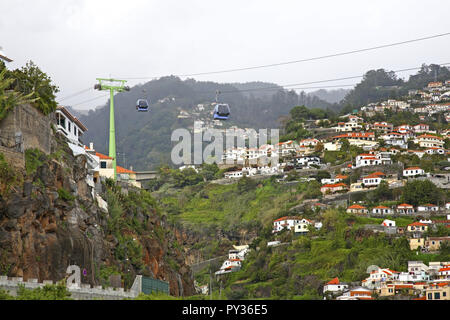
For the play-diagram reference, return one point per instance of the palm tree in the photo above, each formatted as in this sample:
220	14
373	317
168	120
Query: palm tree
10	98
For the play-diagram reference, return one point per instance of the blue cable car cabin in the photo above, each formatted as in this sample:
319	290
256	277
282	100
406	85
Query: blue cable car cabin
221	111
142	105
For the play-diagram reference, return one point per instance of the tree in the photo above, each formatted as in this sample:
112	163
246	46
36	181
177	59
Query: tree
381	193
418	192
322	174
246	184
30	80
10	98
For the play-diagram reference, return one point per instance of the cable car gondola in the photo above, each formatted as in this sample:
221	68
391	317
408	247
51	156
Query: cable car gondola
221	110
142	105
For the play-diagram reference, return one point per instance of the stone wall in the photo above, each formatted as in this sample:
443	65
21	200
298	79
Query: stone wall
26	127
82	292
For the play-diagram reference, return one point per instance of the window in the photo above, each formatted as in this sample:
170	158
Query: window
62	122
103	164
437	295
430	296
444	294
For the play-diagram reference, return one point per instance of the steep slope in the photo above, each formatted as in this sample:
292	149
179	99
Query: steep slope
48	221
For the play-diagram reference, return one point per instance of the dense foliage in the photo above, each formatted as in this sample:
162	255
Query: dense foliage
26	85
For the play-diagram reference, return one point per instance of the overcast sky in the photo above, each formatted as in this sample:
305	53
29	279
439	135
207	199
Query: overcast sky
75	41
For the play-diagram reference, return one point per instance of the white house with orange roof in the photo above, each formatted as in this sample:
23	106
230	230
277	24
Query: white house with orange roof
413	172
128	176
396	139
379	276
309	142
358	293
106	165
359	139
336	179
287	222
444	273
334	286
367	159
421	128
357	209
381	210
373	179
286	148
382	127
417	227
428	141
347	126
332	188
405	208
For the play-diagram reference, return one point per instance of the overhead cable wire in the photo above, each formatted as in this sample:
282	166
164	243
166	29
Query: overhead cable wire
319	81
298	61
75	94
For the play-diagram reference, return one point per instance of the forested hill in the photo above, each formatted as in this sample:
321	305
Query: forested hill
143	138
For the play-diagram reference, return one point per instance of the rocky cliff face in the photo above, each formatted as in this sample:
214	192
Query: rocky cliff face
48	221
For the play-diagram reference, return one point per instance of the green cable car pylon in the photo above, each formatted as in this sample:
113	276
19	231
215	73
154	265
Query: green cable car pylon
118	86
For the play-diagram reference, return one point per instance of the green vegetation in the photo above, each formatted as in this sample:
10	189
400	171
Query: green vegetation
418	192
26	85
34	158
9	99
65	195
7	176
48	292
342	248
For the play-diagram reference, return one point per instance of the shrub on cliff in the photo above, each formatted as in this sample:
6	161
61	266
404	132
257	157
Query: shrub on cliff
7	175
10	98
30	80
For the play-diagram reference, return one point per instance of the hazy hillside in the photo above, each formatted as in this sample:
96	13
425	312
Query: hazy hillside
331	96
143	139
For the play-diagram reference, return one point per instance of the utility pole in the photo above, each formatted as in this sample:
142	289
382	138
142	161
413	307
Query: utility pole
112	85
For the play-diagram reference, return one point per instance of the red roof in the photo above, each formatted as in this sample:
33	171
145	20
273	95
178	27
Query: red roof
413	168
381	207
355	135
102	156
334	281
356	206
417	224
429	136
288	218
373	175
123	170
403	286
444	269
404	205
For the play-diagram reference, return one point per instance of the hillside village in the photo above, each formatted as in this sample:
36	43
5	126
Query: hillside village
388	156
380	160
